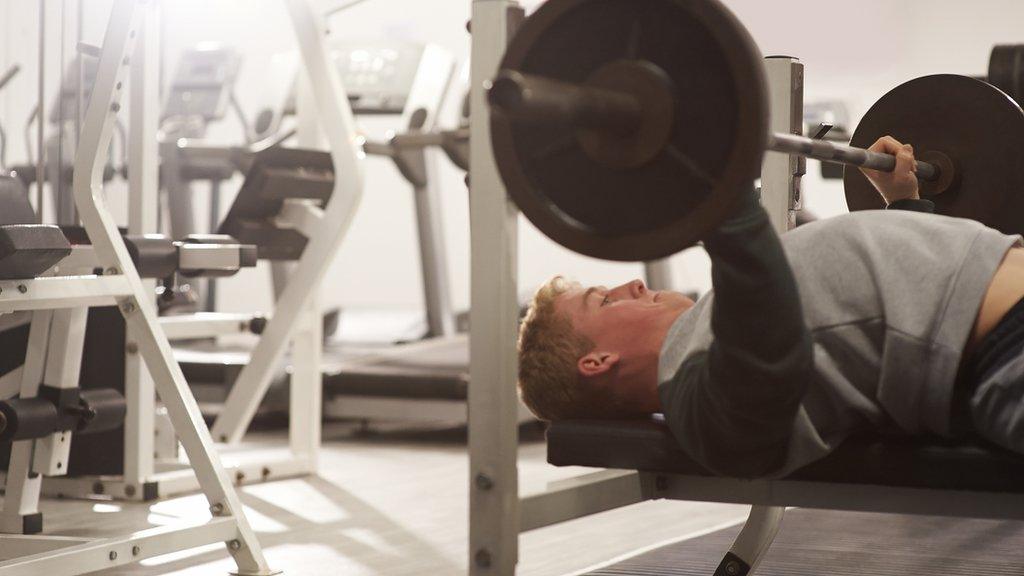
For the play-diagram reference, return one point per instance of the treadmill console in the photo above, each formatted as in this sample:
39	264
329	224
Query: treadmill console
379	76
202	83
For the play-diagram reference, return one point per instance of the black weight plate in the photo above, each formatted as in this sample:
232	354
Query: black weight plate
1006	70
714	153
974	123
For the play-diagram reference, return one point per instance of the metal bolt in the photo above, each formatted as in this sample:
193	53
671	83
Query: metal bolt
136	550
127	307
116	107
217	509
732	568
265	472
112	271
97	488
234	544
482	558
118	86
239	476
132	348
483	481
22	288
112	555
129	491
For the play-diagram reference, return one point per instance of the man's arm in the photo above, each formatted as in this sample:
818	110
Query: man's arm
733	408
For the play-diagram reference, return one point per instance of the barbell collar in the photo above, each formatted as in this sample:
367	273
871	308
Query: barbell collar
841	154
538	100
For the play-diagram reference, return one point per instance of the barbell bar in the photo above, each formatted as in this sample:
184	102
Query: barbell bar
533	99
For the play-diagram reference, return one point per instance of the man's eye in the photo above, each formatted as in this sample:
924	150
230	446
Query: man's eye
605	301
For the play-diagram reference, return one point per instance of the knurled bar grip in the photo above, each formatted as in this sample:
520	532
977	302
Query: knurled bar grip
842	154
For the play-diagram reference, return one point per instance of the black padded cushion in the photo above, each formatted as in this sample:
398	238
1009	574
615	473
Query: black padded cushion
28	250
277	174
903	461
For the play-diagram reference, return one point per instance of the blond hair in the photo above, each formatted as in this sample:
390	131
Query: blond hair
550	347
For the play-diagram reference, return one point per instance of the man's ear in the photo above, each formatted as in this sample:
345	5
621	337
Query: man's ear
597	363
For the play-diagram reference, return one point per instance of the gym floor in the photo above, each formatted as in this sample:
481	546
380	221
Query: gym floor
390	503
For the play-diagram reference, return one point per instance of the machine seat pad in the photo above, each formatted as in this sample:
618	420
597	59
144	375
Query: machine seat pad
28	250
897	461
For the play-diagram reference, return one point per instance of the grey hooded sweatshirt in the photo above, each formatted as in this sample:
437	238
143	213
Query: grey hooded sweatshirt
863	330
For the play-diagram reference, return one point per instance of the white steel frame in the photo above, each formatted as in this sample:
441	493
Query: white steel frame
296	322
132	296
497	511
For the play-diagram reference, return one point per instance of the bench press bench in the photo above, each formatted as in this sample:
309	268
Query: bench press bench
877	473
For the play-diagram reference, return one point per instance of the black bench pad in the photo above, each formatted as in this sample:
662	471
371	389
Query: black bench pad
909	462
28	250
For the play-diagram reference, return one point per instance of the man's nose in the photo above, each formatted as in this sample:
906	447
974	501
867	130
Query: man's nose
634	289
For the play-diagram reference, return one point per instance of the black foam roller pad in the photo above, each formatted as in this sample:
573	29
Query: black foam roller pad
28	250
154	255
24	418
105	408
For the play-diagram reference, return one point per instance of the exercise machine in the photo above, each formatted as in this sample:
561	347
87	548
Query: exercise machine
148	468
42	274
201	92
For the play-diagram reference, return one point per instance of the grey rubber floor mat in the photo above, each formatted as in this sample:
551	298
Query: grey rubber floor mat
822	542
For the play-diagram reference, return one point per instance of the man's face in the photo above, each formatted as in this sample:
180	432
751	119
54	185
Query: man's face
628	320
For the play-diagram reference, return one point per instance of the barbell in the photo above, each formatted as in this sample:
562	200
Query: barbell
625	129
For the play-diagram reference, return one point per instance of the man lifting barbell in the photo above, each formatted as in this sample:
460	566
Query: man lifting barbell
629	130
865	328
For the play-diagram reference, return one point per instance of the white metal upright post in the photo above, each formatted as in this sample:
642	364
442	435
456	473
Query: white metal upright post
143	196
780	174
494	311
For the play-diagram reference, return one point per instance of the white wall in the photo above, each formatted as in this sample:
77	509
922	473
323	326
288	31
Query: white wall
853	52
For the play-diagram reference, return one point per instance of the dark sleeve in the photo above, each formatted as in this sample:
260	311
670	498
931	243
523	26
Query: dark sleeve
913	204
733	407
